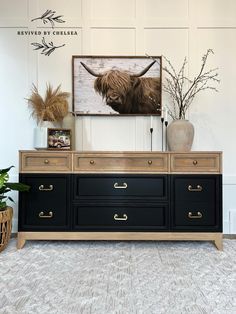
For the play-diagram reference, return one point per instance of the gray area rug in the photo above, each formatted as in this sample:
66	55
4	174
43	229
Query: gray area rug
118	277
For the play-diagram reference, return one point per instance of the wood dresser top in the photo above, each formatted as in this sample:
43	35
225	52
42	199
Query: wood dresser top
54	161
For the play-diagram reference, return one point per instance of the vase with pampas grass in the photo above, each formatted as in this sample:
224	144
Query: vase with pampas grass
48	112
53	107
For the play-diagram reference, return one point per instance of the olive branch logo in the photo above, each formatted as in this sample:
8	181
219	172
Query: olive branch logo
51	17
47	48
48	16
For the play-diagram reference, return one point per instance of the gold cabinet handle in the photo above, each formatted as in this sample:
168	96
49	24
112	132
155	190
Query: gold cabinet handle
123	186
149	162
92	162
197	216
197	189
42	215
46	161
116	217
195	162
42	188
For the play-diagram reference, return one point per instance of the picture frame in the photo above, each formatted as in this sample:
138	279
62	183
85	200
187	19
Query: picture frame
113	86
59	139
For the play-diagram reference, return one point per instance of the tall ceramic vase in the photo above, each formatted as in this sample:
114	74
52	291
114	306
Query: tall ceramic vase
180	135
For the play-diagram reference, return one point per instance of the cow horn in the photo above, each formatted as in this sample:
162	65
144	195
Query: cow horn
144	70
90	71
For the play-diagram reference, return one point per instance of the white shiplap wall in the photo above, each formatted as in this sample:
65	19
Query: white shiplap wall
120	27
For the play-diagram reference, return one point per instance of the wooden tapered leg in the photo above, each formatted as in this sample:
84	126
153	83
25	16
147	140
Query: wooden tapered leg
219	242
20	240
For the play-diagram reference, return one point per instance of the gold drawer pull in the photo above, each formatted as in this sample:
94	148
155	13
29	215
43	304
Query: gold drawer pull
149	162
197	189
116	217
123	186
42	188
195	162
46	161
192	216
41	215
92	162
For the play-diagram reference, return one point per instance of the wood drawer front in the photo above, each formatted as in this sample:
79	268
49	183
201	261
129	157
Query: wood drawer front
120	186
46	162
45	206
195	163
195	188
119	217
144	163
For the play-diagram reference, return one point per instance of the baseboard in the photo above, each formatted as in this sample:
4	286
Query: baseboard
229	236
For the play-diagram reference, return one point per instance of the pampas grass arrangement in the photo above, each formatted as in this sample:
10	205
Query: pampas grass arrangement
54	106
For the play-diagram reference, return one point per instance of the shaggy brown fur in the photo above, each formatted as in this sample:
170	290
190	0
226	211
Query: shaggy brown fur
127	94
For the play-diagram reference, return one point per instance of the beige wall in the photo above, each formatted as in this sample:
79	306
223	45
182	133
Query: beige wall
122	27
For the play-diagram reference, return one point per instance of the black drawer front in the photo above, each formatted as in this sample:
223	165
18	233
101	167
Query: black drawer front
48	217
195	214
198	207
195	188
120	186
115	217
45	207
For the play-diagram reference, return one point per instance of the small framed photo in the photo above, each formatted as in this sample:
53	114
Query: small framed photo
59	139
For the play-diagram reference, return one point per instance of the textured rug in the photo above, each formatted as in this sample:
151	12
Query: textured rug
118	277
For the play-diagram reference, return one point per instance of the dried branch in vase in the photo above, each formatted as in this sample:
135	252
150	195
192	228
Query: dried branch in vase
54	106
182	90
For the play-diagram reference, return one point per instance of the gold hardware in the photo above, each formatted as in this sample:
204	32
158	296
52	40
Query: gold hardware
42	188
123	186
197	189
192	216
116	217
195	162
41	215
46	161
91	162
149	162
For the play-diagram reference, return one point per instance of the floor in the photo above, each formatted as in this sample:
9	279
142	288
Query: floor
118	277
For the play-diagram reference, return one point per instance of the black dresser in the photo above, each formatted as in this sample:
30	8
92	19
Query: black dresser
120	196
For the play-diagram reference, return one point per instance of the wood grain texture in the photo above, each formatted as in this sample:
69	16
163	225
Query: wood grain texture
45	161
195	162
122	236
120	162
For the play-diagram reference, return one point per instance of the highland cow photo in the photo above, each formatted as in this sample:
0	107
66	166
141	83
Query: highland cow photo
116	85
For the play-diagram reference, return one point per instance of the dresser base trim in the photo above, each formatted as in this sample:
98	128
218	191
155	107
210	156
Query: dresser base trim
122	236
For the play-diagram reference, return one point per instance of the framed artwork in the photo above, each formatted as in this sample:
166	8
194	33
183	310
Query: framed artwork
59	139
113	85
